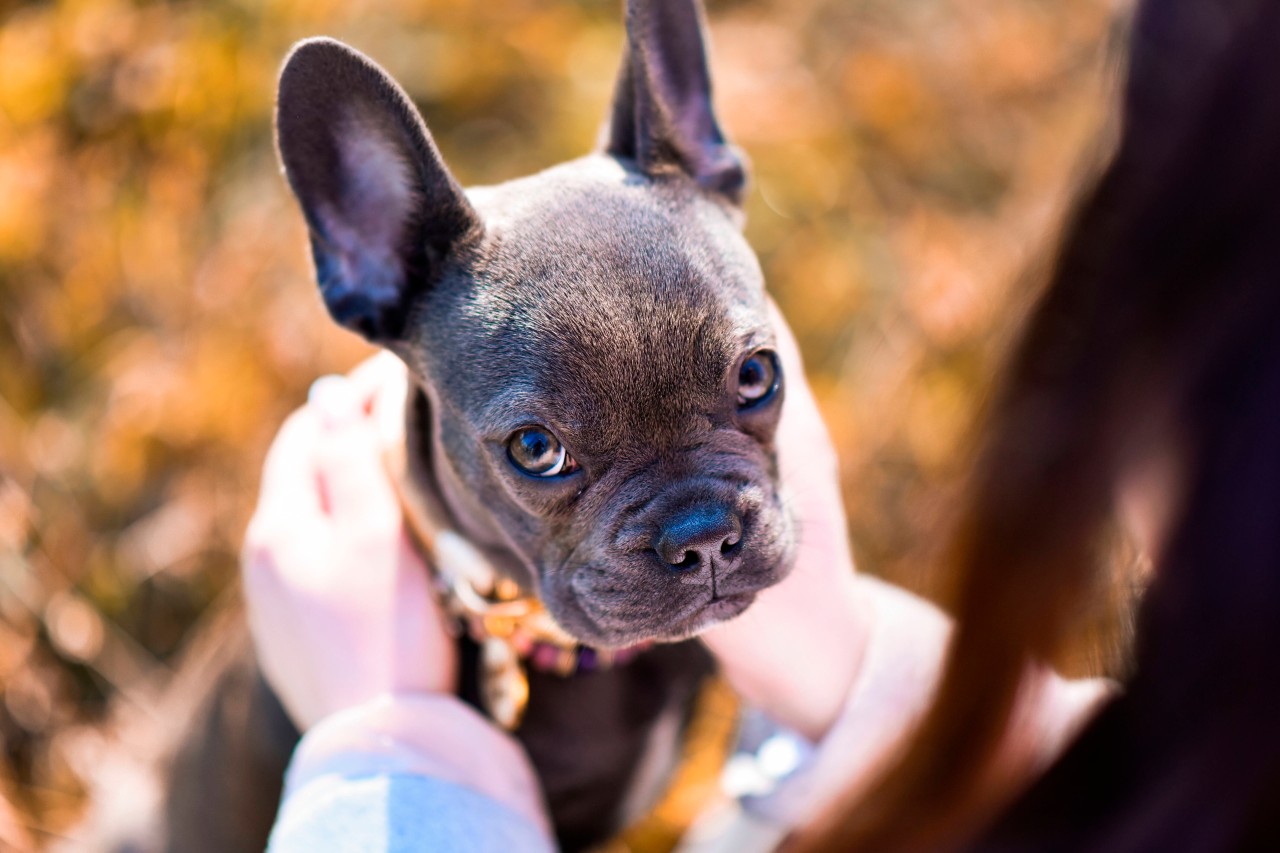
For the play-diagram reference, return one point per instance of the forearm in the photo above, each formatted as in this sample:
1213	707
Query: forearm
902	655
800	677
902	659
398	768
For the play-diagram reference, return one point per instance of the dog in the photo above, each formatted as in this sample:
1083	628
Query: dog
594	401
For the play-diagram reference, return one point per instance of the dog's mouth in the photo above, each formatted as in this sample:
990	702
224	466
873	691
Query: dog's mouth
719	609
610	631
616	587
610	616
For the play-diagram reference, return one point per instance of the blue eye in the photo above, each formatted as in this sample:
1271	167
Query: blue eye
534	450
758	378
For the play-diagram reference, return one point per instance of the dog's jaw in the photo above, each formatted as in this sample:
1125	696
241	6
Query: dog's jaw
635	618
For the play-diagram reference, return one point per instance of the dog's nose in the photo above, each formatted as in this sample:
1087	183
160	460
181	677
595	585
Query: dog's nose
695	536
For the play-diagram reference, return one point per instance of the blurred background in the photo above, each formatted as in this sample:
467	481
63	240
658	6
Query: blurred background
158	316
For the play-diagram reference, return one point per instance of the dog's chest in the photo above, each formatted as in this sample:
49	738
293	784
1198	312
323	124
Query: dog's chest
597	738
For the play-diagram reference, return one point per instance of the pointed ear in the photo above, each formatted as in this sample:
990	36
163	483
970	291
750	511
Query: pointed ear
662	115
381	207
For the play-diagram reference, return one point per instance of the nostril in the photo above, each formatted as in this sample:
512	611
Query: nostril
680	560
696	535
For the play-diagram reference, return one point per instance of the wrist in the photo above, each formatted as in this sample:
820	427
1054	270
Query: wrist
897	674
902	662
431	735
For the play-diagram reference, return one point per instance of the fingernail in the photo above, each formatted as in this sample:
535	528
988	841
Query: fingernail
334	400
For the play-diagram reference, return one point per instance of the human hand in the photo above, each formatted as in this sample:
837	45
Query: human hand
796	651
339	602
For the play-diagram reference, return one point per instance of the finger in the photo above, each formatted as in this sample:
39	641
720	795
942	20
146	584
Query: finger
788	349
389	413
380	385
349	455
289	472
789	356
384	381
378	375
801	428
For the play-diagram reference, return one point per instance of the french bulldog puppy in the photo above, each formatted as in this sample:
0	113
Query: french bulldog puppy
594	399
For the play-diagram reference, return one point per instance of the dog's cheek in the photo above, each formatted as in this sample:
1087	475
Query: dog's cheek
562	603
788	547
774	542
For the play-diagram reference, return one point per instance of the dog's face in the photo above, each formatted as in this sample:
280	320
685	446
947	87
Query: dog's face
605	393
593	340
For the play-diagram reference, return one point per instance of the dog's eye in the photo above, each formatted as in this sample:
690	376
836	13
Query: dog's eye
534	450
758	378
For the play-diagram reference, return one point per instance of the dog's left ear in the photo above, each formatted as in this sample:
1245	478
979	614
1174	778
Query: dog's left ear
662	117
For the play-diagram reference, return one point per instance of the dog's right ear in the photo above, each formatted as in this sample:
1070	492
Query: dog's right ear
381	206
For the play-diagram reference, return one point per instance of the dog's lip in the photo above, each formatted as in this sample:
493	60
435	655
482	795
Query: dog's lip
730	605
719	609
703	615
737	587
607	626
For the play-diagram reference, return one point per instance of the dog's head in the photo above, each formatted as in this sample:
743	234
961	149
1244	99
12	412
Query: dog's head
592	342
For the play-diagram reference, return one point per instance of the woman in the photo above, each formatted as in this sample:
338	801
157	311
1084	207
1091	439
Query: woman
1148	377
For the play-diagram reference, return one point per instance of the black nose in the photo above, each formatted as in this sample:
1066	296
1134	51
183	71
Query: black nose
695	536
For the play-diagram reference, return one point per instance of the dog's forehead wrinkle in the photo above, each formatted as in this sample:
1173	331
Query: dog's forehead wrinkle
590	216
612	321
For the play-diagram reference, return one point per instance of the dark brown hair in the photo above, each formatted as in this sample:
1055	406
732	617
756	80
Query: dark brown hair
1158	332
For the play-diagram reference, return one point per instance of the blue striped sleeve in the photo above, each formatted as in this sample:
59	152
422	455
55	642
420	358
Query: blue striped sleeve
398	813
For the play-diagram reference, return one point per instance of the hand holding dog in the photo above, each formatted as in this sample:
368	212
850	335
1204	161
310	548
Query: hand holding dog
339	602
796	651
